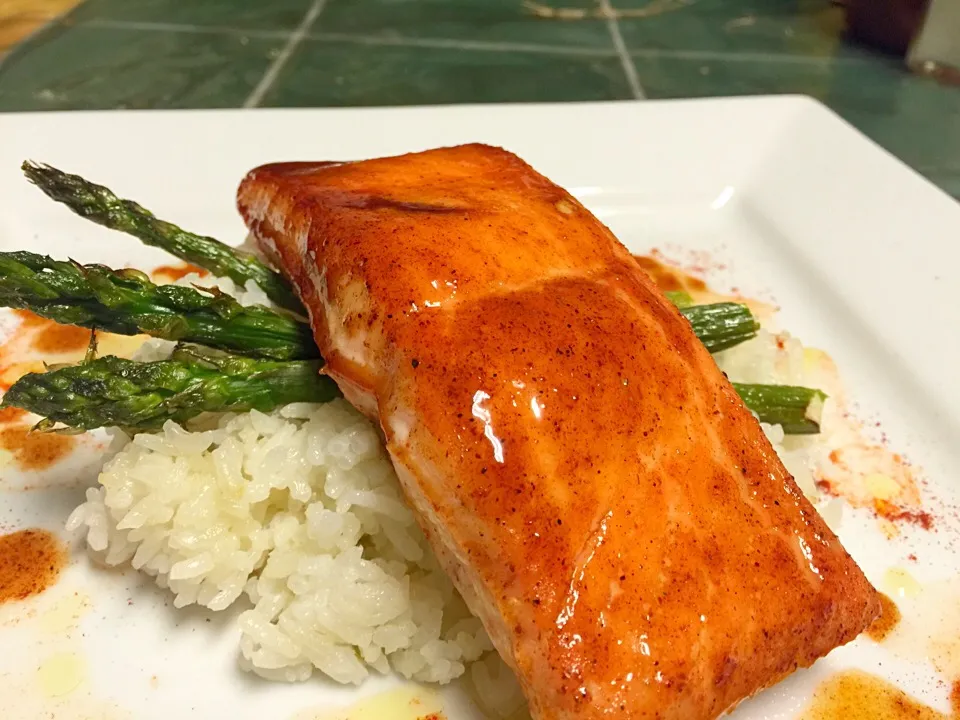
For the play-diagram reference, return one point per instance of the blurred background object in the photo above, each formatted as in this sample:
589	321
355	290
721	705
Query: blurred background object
20	18
935	49
926	32
889	25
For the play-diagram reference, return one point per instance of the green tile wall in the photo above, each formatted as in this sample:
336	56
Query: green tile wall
233	53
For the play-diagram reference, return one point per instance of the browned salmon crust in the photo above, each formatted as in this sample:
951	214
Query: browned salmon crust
587	476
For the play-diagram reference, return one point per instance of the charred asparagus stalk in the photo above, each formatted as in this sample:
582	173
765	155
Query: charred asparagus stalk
112	391
100	205
797	409
721	325
127	303
138	396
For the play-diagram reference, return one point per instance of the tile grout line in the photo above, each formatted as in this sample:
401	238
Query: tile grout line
629	69
451	44
270	76
355	39
109	24
478	45
750	56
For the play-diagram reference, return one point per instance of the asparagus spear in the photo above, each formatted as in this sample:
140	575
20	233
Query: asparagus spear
722	325
141	396
112	391
126	302
797	409
100	205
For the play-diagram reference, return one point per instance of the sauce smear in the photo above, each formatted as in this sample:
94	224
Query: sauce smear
11	415
35	450
30	562
669	278
857	695
172	273
888	620
36	340
50	337
61	339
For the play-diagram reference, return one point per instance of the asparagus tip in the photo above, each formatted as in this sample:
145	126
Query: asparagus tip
32	169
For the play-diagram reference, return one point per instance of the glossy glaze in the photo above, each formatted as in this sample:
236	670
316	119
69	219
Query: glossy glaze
585	473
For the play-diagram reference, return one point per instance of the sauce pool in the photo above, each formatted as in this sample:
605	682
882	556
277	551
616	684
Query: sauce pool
888	620
50	337
669	278
30	562
35	450
61	339
857	695
11	415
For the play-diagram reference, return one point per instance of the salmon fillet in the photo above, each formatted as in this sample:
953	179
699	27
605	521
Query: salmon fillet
586	475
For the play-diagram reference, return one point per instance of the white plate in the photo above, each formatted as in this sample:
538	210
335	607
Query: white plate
861	254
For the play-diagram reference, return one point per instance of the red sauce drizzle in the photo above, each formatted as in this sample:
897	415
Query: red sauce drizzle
920	518
175	272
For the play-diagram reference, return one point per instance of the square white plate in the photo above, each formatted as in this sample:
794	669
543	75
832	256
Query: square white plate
862	255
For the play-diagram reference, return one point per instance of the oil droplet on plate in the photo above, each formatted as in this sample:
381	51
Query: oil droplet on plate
857	695
405	703
65	613
899	583
929	630
61	674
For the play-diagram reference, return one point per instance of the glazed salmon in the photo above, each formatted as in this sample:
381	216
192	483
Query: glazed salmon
587	476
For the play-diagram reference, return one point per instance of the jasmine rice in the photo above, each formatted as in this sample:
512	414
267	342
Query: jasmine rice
299	512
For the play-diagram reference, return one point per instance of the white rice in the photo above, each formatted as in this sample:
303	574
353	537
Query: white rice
296	516
300	512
